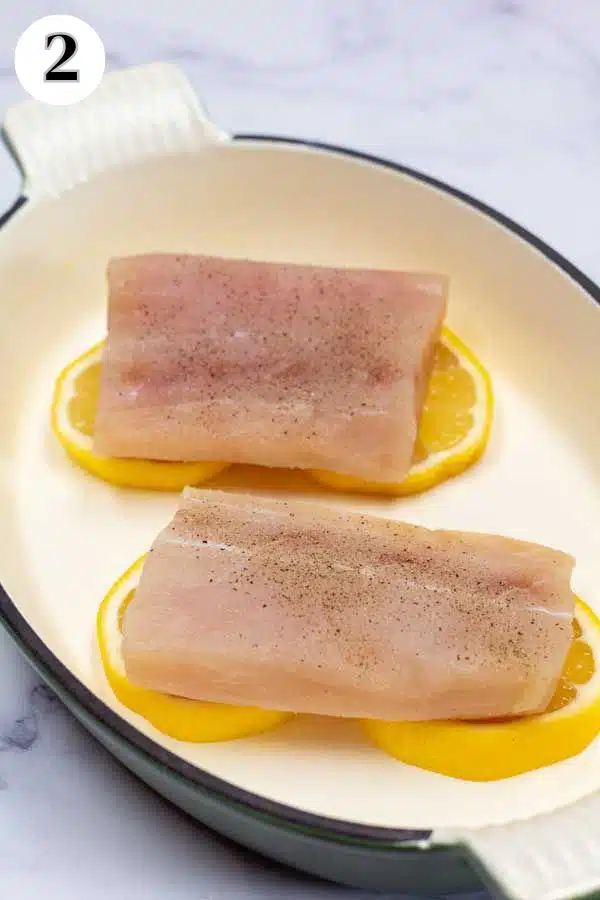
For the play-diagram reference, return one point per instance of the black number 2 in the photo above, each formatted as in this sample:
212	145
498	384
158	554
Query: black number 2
55	73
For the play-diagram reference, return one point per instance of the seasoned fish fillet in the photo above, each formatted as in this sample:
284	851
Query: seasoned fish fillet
266	363
295	606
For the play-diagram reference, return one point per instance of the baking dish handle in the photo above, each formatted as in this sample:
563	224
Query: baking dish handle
135	113
553	856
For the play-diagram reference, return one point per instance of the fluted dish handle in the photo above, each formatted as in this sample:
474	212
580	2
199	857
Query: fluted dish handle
134	114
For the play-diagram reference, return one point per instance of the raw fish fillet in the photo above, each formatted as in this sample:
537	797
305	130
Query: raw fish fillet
296	606
266	363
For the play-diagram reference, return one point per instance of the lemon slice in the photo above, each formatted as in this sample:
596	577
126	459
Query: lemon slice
487	751
185	720
73	415
454	427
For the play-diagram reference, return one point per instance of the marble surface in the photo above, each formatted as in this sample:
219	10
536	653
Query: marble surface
499	97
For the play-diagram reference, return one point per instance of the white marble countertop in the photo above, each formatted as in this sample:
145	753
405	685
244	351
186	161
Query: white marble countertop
499	97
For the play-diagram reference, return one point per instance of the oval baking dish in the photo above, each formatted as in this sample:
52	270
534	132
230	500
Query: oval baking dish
138	167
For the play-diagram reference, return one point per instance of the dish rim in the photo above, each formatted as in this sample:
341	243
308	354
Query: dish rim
281	814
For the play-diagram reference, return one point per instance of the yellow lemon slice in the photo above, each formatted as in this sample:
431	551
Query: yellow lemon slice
454	427
487	751
185	720
73	415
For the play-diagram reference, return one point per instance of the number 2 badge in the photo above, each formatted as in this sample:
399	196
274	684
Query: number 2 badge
59	60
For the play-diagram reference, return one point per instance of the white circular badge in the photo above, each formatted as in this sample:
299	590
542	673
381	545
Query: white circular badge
59	60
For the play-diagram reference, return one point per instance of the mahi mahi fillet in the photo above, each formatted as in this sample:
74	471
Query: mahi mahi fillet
295	606
266	363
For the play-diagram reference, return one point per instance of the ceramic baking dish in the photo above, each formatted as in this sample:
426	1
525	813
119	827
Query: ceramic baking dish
139	167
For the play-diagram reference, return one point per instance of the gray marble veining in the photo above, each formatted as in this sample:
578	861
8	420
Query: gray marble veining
499	97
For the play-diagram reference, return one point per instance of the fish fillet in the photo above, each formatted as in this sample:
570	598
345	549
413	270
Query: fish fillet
296	606
266	363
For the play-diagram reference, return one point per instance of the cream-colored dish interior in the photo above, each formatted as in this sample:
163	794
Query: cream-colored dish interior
67	537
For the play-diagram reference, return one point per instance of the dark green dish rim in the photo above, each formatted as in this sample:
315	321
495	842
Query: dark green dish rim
402	840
